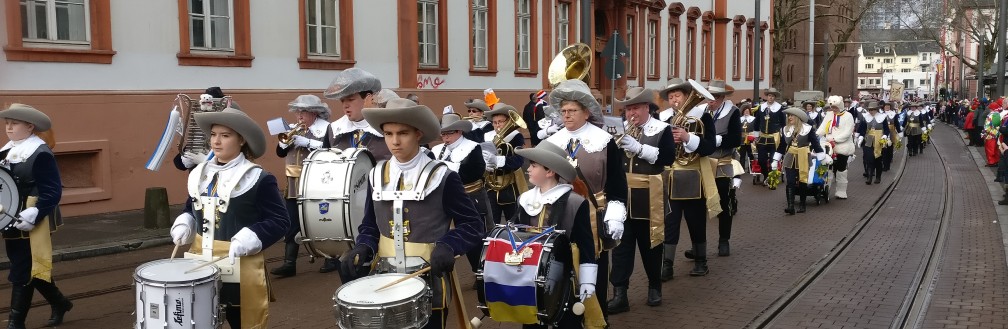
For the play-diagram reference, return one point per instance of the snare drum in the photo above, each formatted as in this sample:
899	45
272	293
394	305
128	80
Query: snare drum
536	290
167	297
10	198
331	196
404	305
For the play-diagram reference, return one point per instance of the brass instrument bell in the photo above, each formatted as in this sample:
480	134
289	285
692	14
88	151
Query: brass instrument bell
288	137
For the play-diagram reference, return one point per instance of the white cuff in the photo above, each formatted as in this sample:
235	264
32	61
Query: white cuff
587	273
184	219
649	153
736	183
247	239
692	143
820	156
499	160
285	145
452	165
777	156
616	211
717	140
314	144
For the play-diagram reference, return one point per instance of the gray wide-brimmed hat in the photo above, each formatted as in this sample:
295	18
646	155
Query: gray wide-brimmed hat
872	105
772	91
478	104
674	84
578	91
452	121
798	112
404	111
499	108
637	95
237	121
552	157
29	114
719	88
811	101
310	103
383	96
352	81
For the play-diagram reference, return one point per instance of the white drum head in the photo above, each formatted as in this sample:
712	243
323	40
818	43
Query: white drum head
362	291
174	271
10	198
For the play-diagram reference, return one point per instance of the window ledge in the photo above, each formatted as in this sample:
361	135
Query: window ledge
432	70
325	64
214	60
33	54
527	74
482	73
652	78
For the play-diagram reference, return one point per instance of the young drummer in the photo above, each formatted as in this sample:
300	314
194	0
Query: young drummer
552	202
28	243
799	144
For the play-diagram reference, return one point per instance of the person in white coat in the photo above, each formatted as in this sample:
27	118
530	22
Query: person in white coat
837	130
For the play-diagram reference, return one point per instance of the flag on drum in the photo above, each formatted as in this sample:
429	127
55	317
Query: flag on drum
511	289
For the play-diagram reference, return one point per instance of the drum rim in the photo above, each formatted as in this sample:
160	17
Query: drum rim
426	290
15	191
215	276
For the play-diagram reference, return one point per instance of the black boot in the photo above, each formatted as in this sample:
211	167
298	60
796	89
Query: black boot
21	296
667	261
689	254
59	303
289	267
801	198
878	179
789	193
653	297
700	264
330	264
723	248
868	179
619	303
1004	199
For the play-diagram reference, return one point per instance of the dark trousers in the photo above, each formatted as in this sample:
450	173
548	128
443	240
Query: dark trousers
19	253
295	219
887	157
914	144
765	154
840	163
745	155
695	213
725	217
438	319
230	297
568	321
873	165
791	178
498	210
636	232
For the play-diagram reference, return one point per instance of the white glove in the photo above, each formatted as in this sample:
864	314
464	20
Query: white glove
181	230
820	156
630	144
448	109
544	123
773	165
827	161
307	142
491	160
191	159
244	243
860	139
587	274
542	134
26	220
615	214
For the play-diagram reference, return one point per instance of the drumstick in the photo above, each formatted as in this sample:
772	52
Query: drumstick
397	281
214	260
174	250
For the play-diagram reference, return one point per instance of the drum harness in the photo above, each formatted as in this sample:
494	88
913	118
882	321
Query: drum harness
212	202
398	197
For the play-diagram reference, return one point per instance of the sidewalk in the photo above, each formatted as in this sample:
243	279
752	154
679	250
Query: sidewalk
102	234
993	187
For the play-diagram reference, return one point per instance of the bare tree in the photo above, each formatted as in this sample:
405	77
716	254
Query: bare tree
973	20
845	21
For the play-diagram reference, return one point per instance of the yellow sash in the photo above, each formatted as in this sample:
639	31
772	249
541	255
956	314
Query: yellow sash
775	136
877	143
593	310
593	219
254	287
657	206
41	246
801	157
706	167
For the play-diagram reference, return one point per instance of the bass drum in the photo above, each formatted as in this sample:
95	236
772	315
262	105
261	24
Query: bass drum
10	199
331	197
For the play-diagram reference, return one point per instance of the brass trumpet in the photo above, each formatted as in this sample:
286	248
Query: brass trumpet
288	137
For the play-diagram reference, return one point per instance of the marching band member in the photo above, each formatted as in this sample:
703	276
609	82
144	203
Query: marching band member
477	108
648	148
251	217
552	202
188	160
599	164
534	112
769	121
355	89
313	119
691	187
873	134
798	146
895	134
423	227
838	130
916	125
729	136
813	112
504	178
746	155
28	242
465	157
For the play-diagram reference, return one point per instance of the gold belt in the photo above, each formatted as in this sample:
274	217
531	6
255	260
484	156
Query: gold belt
913	125
474	186
775	136
499	182
655	203
293	170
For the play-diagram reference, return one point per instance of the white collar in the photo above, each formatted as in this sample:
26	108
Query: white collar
593	139
344	125
23	149
318	128
666	114
890	114
725	109
410	171
456	151
490	135
789	130
534	200
813	114
880	117
651	127
480	124
234	178
747	118
774	107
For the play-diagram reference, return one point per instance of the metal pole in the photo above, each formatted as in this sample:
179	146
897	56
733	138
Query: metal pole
980	66
612	86
1002	17
962	68
756	55
825	77
811	41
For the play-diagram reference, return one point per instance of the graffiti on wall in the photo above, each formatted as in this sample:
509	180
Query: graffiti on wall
429	81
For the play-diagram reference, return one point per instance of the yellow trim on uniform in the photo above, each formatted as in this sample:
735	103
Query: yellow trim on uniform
657	206
253	286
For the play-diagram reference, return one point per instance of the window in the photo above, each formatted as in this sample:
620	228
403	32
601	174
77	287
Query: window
326	34
885	50
215	33
861	82
58	21
73	31
652	48
631	44
736	53
887	70
483	38
210	25
887	60
563	25
750	53
923	82
524	35
869	66
906	61
877	50
674	48
427	24
707	42
869	58
323	28
905	70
